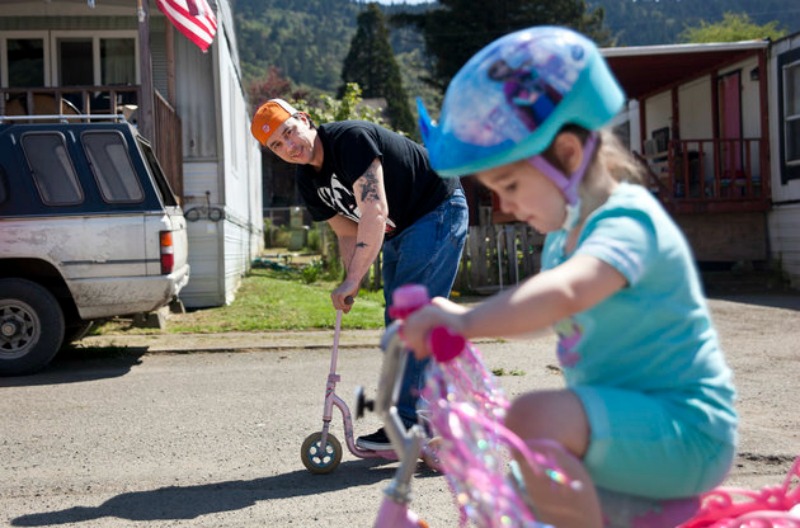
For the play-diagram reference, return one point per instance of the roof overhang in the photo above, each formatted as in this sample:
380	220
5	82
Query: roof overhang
646	70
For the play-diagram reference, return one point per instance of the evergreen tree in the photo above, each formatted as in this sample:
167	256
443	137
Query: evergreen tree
371	64
456	30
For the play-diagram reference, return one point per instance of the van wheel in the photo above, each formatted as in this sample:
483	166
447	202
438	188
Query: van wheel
76	331
31	327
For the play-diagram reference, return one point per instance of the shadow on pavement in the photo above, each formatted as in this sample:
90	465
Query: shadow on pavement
75	365
784	300
191	502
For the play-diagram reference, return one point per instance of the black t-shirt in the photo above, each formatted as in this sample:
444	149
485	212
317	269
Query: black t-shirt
412	188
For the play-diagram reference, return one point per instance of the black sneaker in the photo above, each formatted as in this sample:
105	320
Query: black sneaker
377	441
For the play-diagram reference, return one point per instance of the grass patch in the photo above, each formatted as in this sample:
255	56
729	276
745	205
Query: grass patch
269	300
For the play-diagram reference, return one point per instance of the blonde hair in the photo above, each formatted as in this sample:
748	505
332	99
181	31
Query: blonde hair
618	159
609	152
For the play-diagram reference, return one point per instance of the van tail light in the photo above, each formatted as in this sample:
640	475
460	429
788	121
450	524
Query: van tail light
167	252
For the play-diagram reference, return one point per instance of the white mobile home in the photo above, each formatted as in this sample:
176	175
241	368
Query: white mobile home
111	56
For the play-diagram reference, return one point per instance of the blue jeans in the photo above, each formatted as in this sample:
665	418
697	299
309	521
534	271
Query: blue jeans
427	252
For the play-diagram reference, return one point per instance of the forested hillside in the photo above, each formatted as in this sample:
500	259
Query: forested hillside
309	39
645	22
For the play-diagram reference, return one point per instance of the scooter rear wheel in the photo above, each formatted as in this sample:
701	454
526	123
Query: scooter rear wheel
320	459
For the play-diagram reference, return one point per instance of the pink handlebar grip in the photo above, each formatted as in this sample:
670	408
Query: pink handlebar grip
408	299
445	344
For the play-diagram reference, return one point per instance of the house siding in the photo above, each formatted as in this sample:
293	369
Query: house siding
784	218
219	167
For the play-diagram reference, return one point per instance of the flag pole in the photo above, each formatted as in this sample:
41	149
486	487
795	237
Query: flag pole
145	119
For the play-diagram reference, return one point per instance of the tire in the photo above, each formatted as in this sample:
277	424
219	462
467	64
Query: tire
317	460
31	327
76	332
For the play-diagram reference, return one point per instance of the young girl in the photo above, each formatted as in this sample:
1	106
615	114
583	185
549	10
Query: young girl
648	404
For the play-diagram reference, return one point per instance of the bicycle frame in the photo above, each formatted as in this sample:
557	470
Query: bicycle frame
394	511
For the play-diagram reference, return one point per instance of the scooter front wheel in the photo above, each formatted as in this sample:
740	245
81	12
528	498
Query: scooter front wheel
321	459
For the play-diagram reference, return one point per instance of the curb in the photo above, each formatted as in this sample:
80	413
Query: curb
227	342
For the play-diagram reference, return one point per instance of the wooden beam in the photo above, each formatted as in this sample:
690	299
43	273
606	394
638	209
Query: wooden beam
146	117
169	37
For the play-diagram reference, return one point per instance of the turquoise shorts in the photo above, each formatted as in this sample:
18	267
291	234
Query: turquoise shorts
638	446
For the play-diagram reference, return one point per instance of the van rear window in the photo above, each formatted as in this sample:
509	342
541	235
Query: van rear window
52	169
112	167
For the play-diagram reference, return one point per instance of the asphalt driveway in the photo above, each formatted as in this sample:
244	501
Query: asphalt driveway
208	433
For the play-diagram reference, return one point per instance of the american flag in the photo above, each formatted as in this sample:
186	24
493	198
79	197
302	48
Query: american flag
193	18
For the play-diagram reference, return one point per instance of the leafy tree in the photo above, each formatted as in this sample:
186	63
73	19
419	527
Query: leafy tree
456	30
371	63
349	106
732	28
273	85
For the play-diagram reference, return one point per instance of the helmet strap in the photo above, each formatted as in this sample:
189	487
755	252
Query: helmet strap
568	185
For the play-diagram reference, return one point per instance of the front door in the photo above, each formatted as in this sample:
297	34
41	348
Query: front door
730	126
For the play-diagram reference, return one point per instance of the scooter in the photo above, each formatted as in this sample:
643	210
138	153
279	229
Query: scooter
321	451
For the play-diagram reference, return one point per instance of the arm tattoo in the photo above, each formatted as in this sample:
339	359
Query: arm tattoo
369	189
361	245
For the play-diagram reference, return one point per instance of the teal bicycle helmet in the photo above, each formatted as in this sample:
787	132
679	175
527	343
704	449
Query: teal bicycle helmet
508	102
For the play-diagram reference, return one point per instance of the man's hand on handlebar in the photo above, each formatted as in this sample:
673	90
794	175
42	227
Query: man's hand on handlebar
344	296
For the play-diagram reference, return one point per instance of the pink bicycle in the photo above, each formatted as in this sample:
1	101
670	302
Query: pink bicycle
465	412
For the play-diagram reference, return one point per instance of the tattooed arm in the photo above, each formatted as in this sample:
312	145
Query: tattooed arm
359	253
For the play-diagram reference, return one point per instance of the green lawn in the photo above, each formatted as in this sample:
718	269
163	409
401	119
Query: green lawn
270	300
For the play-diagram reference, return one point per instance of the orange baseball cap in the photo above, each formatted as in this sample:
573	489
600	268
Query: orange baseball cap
269	117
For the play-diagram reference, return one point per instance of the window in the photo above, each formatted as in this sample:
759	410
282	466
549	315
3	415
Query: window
93	60
25	58
75	62
167	196
789	110
118	61
112	167
791	83
51	167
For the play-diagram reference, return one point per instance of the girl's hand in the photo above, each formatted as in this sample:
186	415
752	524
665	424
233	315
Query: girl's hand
417	327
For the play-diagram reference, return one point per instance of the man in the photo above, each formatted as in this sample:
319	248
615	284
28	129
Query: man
375	188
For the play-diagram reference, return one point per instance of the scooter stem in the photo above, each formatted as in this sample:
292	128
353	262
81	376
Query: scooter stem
336	331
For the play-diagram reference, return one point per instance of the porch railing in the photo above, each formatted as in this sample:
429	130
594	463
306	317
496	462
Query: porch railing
168	143
68	100
711	175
